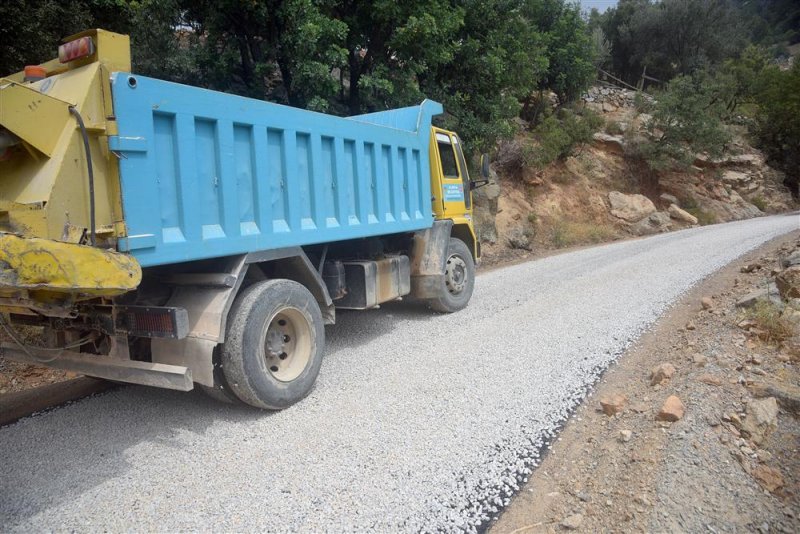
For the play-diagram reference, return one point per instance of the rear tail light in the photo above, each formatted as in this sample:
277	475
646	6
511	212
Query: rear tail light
152	321
83	47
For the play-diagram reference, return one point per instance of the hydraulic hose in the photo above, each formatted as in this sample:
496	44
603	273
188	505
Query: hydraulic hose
92	227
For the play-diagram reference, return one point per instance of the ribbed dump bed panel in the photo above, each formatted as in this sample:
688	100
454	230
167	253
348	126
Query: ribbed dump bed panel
207	174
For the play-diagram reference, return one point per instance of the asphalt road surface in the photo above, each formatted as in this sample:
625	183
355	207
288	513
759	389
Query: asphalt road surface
418	421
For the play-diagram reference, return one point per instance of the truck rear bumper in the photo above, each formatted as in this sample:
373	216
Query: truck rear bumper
145	373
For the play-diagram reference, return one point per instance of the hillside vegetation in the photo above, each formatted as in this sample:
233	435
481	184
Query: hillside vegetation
714	78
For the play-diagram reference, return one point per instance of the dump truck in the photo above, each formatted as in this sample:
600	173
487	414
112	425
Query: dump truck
162	234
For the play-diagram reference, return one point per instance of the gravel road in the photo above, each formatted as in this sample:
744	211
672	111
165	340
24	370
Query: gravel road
418	421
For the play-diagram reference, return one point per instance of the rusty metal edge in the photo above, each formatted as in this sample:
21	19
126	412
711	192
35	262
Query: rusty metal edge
17	405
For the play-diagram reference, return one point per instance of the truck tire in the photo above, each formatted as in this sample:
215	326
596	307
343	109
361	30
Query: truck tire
274	344
459	279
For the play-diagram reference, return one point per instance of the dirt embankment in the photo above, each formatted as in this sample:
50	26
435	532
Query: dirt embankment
577	201
696	428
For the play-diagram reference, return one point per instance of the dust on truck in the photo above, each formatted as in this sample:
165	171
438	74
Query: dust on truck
161	234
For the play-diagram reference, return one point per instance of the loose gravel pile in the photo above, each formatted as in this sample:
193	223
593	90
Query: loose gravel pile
418	422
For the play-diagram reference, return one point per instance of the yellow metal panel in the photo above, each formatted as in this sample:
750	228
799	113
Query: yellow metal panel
45	265
36	118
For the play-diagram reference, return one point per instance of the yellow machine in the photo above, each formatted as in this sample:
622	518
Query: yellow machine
44	191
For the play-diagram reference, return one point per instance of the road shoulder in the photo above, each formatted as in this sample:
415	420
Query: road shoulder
709	470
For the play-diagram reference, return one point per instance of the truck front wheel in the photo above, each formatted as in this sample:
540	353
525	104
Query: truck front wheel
274	344
459	279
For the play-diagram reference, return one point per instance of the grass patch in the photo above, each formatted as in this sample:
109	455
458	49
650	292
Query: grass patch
703	217
569	233
759	202
767	316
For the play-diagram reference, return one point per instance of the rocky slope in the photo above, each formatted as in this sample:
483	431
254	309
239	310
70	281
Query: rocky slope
695	428
602	193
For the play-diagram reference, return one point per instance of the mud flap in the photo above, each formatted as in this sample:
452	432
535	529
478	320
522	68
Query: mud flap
428	256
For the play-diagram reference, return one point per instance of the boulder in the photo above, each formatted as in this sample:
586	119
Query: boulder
652	224
631	208
485	209
661	373
787	395
790	260
750	160
768	478
669	199
766	294
761	419
735	177
614	404
672	410
681	215
788	282
612	143
520	239
572	522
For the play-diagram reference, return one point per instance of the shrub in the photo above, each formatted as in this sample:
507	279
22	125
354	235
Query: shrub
686	119
559	134
613	128
768	318
759	202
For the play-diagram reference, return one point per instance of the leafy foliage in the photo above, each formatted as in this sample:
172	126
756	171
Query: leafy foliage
778	120
686	118
481	58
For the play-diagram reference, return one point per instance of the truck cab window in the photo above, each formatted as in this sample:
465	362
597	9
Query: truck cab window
447	156
464	173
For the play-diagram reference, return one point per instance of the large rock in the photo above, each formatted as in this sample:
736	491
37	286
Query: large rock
631	208
519	238
672	410
788	282
761	419
613	404
736	178
681	215
669	199
791	260
787	395
661	373
485	209
764	294
612	143
652	224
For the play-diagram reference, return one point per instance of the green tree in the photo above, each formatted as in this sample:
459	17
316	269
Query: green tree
778	121
686	119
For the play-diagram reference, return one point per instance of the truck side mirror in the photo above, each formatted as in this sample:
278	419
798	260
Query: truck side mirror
475	184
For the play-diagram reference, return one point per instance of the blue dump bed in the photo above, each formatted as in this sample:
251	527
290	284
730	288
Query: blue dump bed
207	174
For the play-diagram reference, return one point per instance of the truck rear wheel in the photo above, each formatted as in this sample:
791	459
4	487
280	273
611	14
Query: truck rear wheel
274	344
459	279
